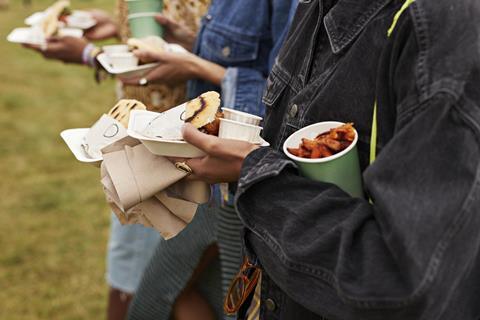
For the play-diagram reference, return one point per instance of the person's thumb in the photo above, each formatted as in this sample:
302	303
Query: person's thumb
161	19
147	56
204	142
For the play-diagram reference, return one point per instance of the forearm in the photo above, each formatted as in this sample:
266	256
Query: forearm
412	244
206	70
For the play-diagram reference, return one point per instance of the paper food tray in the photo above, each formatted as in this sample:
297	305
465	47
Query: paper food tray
78	19
139	120
74	139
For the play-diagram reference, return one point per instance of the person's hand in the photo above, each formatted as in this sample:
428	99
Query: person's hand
176	33
105	27
175	68
224	158
66	49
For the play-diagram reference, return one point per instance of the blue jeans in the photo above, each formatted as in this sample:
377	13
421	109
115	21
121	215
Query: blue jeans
130	248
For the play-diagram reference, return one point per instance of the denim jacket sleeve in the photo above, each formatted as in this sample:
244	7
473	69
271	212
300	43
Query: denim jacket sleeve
242	90
405	255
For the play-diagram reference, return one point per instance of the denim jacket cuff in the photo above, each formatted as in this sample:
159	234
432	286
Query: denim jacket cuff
229	87
261	164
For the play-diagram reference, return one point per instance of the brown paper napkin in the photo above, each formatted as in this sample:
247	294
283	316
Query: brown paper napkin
143	188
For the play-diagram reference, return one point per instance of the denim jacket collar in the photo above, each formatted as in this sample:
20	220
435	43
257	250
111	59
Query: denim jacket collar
346	20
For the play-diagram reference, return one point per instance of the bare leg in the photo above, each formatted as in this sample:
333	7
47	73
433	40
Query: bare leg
118	303
190	304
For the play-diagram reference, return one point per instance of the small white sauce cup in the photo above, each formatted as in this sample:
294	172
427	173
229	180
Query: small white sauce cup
240	116
235	130
116	48
123	60
70	32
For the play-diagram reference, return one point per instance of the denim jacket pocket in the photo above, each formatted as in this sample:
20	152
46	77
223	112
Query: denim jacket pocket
273	90
226	46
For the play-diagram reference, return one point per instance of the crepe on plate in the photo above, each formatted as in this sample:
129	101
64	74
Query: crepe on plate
203	112
50	24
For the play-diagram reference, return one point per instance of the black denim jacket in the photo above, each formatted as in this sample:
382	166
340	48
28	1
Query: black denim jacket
414	253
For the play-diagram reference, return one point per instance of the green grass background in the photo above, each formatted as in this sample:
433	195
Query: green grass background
53	218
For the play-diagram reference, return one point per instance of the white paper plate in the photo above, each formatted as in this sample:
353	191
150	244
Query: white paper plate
26	35
74	139
35	18
35	36
78	19
138	71
139	120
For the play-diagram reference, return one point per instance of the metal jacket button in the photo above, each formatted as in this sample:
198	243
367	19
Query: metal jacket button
270	304
208	17
293	111
226	51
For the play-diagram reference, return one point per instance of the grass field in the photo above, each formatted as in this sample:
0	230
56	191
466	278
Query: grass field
54	221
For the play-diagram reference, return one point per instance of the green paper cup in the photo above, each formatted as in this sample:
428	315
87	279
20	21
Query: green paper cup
342	169
141	18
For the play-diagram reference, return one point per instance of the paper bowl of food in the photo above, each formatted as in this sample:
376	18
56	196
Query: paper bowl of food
70	32
123	60
327	151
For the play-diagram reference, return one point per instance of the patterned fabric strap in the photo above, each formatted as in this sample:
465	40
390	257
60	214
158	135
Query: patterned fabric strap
253	312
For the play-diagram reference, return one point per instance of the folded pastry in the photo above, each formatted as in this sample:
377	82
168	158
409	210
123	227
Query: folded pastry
110	128
203	112
50	24
121	111
150	43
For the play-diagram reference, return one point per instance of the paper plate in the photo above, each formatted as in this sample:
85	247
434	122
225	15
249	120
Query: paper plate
138	71
74	139
78	19
27	36
35	18
139	120
35	36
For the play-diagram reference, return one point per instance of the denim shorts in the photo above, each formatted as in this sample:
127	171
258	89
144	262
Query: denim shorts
130	248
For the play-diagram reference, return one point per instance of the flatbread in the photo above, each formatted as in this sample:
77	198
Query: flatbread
50	23
202	110
150	43
121	111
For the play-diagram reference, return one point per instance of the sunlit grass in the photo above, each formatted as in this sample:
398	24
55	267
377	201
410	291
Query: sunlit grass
54	221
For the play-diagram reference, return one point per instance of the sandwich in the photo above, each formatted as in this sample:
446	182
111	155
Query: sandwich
150	43
110	128
121	111
51	23
204	112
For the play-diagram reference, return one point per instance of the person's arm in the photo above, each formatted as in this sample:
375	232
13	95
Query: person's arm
65	49
176	32
404	256
105	27
175	68
410	252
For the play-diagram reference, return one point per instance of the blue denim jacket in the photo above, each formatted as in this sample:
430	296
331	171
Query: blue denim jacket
243	36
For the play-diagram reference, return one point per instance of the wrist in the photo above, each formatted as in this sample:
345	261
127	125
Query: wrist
195	66
87	50
207	71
